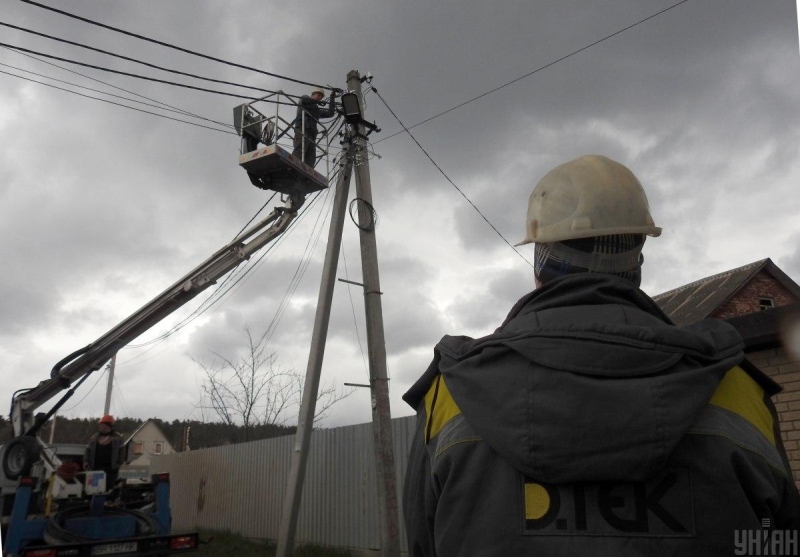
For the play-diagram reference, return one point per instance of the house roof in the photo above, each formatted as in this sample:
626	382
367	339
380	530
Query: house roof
138	429
763	329
697	300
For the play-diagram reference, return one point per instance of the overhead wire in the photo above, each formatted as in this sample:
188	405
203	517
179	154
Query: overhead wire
117	104
168	45
144	77
86	395
439	168
142	62
181	110
242	269
353	308
537	70
220	295
300	270
104	92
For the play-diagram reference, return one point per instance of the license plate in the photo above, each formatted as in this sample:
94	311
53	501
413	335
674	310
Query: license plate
114	548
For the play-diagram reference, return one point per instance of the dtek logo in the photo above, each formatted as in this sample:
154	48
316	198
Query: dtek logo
662	507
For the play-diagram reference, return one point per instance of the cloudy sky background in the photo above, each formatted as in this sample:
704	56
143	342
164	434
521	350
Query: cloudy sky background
102	207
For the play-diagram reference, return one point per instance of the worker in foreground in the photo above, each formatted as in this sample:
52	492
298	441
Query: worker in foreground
309	113
105	451
587	423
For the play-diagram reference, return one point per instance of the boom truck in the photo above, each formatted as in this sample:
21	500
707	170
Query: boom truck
46	513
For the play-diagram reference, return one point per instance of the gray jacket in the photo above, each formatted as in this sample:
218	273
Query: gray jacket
588	424
119	451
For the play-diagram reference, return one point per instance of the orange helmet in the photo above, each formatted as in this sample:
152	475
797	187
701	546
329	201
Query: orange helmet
107	419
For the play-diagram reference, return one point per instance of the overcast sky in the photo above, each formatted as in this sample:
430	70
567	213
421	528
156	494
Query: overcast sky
102	207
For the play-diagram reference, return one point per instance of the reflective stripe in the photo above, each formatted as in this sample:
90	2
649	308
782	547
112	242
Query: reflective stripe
739	393
724	423
440	408
455	431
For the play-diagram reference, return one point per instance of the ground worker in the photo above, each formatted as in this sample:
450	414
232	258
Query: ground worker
106	451
587	423
309	113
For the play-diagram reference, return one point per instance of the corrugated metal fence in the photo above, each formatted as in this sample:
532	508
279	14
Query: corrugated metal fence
241	487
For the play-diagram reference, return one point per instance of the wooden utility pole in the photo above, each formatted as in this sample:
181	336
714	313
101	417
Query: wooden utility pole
111	366
376	345
305	423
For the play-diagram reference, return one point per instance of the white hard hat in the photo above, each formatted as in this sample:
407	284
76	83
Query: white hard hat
589	196
319	90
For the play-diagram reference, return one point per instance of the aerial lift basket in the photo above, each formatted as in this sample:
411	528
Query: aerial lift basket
271	165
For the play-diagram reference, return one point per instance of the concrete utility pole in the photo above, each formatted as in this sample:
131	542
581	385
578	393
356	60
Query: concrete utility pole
111	366
376	345
305	423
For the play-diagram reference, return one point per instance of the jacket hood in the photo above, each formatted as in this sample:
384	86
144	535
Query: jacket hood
586	380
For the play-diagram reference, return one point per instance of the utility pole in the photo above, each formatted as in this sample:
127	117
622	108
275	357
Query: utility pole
305	422
376	345
111	366
53	429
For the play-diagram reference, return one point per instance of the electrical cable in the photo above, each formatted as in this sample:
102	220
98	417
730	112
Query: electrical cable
530	73
209	303
186	112
254	216
136	61
86	395
439	168
372	212
122	400
118	104
168	45
176	111
353	308
299	272
137	76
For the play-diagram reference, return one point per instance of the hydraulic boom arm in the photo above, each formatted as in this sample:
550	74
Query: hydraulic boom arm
92	357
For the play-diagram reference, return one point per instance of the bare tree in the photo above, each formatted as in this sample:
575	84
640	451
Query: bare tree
253	389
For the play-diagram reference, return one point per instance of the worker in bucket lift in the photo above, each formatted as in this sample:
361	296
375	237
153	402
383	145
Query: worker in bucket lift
305	128
106	451
587	423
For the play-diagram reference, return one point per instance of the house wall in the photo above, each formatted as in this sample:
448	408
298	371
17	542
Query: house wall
746	300
784	368
149	435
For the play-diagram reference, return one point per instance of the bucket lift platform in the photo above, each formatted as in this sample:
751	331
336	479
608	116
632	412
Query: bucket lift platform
269	165
274	168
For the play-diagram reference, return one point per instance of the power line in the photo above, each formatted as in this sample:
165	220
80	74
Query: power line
118	104
219	293
137	61
439	168
186	112
353	308
176	111
530	73
87	394
144	77
168	45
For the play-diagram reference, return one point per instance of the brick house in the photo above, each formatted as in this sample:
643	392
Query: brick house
763	304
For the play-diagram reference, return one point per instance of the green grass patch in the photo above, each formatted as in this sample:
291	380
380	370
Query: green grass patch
226	544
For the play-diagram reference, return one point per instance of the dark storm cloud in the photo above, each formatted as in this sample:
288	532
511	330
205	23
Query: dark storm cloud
101	207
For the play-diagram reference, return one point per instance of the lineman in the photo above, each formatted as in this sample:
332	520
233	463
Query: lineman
588	424
309	114
105	451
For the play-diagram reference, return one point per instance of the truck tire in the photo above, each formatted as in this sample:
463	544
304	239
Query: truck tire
19	456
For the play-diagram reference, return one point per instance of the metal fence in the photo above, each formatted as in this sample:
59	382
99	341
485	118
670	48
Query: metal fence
240	487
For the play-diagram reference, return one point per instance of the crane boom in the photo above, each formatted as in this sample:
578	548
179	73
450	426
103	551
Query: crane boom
193	283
